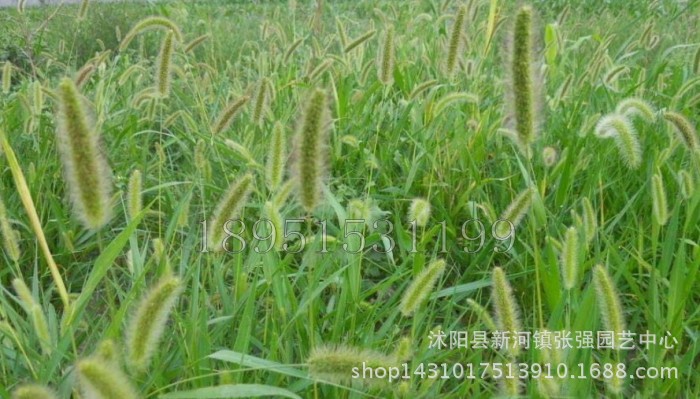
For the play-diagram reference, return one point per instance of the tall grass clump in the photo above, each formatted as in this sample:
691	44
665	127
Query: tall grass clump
421	286
85	168
148	323
455	43
608	300
504	307
621	130
229	207
310	148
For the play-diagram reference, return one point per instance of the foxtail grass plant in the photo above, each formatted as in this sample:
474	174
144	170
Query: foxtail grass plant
153	22
276	158
419	211
229	207
569	258
504	307
146	326
164	66
621	130
636	107
685	129
310	148
36	315
6	77
455	41
358	41
608	301
225	118
10	236
686	183
335	363
658	200
85	168
421	286
515	212
386	57
133	194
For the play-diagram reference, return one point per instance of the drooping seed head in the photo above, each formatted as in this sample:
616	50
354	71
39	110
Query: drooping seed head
224	120
515	212
658	197
608	301
620	128
229	207
154	22
421	286
164	65
685	129
419	211
483	315
86	170
636	107
196	42
455	43
310	148
146	327
357	42
504	307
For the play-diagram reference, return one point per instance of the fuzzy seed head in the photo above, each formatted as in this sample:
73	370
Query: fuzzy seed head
608	300
135	201
419	211
260	101
10	235
686	183
224	120
310	148
86	170
522	73
154	22
99	379
33	391
164	65
6	77
335	363
229	207
196	42
549	156
357	42
685	130
504	306
620	128
658	197
636	107
483	315
386	58
421	286
589	221
146	326
515	212
455	42
274	171
569	259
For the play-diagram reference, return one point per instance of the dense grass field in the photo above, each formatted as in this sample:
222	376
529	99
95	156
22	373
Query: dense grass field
272	199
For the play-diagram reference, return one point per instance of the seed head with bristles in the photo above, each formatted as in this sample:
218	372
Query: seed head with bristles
33	391
569	258
504	307
421	286
133	194
658	197
386	58
274	171
6	77
146	327
516	211
230	205
228	114
589	221
357	42
10	235
684	128
455	43
36	315
631	107
608	300
686	183
86	170
335	363
164	66
621	129
419	211
309	148
100	379
154	22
